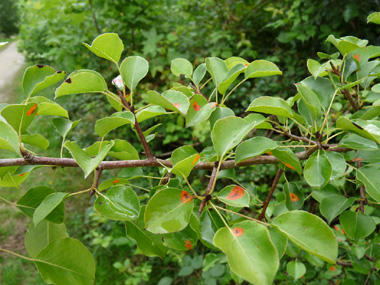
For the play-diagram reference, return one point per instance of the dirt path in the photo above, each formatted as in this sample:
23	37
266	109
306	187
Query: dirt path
11	62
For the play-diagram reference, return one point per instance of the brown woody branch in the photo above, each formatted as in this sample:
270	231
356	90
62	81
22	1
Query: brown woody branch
209	188
139	131
270	194
70	162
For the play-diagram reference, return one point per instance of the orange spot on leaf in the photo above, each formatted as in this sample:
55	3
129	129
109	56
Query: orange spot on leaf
246	64
188	244
196	106
336	228
343	232
21	175
213	105
332	268
32	110
197	157
177	105
288	165
186	197
237	232
116	181
128	97
236	193
356	56
294	197
269	152
358	159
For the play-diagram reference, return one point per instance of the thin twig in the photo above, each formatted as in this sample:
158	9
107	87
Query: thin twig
210	186
269	197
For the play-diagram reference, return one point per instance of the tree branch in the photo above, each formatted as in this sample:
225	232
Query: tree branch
209	188
270	194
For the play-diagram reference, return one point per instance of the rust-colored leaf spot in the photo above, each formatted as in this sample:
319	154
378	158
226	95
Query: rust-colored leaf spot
213	105
31	110
68	80
40	65
236	193
332	268
128	97
269	153
288	165
59	71
116	181
188	244
196	106
177	105
294	197
186	197
336	228
21	175
356	56
343	232
246	64
358	159
197	157
237	232
37	114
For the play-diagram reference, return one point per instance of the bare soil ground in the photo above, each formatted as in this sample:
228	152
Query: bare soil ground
11	61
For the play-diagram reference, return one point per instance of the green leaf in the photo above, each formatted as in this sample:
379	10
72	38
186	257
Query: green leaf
108	46
279	241
294	198
123	150
34	197
199	110
319	91
66	261
149	112
234	60
82	81
250	251
357	225
318	170
315	68
296	269
180	66
150	244
217	69
369	175
271	105
288	158
105	125
36	140
346	44
168	211
338	164
231	76
84	161
64	126
10	180
172	100
47	107
20	116
199	73
38	77
369	129
47	206
8	138
309	232
332	206
210	223
39	237
120	203
374	18
220	113
261	68
234	196
183	240
184	159
310	99
358	142
229	132
133	69
254	147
